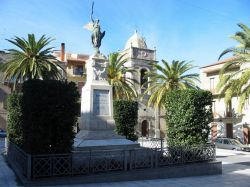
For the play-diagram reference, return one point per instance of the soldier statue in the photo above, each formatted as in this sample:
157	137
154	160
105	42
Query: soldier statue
97	35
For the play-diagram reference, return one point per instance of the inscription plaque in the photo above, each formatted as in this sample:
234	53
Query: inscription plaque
101	102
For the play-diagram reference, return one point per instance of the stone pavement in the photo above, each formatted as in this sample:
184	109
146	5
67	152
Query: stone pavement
233	175
7	176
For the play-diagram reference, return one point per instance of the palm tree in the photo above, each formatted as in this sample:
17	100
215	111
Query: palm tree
236	83
123	87
31	60
169	77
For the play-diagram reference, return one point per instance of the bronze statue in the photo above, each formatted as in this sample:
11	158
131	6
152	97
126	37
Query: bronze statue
97	35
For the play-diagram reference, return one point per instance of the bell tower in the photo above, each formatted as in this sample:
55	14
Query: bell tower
140	58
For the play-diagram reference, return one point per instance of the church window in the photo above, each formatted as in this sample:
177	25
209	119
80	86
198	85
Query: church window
143	80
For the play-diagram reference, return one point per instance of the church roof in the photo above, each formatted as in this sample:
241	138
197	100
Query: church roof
136	41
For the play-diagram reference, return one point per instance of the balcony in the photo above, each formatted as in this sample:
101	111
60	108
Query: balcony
226	115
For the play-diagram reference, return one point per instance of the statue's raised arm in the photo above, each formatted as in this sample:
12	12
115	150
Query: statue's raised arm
97	35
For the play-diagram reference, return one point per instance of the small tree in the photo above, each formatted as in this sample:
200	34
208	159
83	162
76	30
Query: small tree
188	113
123	87
126	116
14	118
50	110
168	77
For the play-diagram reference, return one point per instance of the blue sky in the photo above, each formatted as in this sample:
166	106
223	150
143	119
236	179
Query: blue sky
196	30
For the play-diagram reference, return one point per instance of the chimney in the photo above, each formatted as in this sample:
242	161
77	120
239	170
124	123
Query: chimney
62	51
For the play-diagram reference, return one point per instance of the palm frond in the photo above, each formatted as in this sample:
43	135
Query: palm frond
31	60
167	77
123	87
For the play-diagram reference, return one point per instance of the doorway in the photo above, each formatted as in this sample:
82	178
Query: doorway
144	128
229	128
246	135
214	131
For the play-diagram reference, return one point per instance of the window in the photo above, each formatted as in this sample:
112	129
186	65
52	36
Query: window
78	70
214	105
246	105
212	85
143	80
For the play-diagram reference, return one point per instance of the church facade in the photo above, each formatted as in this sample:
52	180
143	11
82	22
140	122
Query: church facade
140	57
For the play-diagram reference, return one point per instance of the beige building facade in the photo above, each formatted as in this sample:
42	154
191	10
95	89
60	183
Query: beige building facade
227	121
74	65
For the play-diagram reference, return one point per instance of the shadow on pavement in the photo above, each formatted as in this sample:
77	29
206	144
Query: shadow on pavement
221	156
230	168
243	163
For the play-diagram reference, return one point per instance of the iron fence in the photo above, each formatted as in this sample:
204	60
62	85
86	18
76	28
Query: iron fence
93	162
19	158
153	143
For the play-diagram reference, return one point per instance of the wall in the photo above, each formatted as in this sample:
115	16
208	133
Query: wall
4	92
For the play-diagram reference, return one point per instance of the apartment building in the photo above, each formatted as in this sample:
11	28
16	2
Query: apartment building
227	121
74	65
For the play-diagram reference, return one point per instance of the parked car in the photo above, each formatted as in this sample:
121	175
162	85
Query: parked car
229	143
2	133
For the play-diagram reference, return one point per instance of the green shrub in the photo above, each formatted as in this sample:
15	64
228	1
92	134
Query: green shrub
50	110
126	116
188	113
14	118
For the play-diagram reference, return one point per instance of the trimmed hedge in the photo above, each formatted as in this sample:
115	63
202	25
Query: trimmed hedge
14	118
50	110
126	117
188	113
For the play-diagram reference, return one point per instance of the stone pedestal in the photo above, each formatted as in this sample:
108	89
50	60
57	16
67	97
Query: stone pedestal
97	123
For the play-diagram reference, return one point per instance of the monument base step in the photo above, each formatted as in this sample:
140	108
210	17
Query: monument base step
98	135
106	144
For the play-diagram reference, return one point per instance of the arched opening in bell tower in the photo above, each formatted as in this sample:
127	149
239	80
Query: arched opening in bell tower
143	80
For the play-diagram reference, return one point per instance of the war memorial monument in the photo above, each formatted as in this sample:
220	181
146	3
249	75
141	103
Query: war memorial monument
97	124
